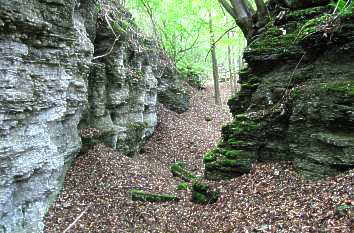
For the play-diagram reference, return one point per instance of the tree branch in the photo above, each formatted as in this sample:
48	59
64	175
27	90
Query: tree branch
228	8
215	42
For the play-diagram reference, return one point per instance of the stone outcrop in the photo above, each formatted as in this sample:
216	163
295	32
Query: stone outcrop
126	82
50	83
44	62
297	96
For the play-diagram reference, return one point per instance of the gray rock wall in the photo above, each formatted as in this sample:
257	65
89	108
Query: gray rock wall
49	83
124	84
44	62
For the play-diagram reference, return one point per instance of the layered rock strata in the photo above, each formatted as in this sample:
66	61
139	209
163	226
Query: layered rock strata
62	66
297	96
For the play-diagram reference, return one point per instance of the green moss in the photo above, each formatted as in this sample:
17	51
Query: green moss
307	13
140	74
233	141
182	186
274	41
245	73
137	125
242	124
312	26
296	93
138	195
200	187
228	162
202	195
210	156
232	100
241	117
253	80
232	154
346	88
249	86
199	198
178	169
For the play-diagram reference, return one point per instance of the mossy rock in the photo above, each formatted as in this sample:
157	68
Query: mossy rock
302	4
249	86
203	195
178	169
183	186
138	195
210	156
306	14
239	126
345	210
273	48
224	168
233	154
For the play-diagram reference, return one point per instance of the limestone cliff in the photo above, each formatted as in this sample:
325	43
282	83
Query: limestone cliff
297	96
126	79
48	80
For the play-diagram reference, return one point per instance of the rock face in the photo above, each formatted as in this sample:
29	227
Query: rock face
44	62
297	97
125	83
49	80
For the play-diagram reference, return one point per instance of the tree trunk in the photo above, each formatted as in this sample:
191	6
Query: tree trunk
214	62
262	13
229	56
244	15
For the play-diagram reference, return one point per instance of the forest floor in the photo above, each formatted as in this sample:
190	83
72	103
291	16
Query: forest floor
272	198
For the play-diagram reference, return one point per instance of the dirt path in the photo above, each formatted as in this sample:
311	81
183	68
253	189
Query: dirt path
270	199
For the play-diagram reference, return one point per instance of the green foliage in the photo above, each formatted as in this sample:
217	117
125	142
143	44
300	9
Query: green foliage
193	74
182	28
343	7
312	26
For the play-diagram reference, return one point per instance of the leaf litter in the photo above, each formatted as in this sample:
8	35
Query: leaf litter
272	198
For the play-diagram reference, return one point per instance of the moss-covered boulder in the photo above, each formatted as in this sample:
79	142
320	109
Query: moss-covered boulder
201	194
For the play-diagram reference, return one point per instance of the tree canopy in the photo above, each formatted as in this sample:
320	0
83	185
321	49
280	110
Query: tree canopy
182	28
